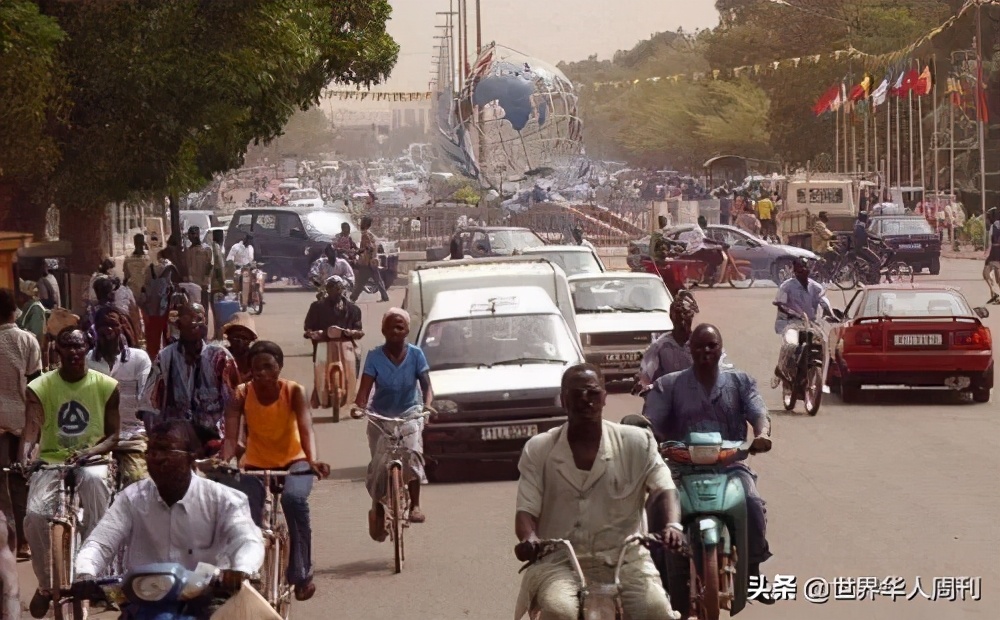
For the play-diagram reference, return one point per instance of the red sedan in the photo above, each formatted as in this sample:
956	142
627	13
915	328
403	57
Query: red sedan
917	336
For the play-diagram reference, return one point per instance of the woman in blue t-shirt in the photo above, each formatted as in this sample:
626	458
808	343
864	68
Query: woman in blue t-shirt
399	374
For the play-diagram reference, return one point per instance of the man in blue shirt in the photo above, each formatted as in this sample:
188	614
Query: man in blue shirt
704	398
861	249
798	297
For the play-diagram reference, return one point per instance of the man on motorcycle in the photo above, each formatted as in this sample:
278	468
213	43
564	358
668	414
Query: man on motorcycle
567	491
701	248
797	297
241	254
174	516
330	264
335	310
705	398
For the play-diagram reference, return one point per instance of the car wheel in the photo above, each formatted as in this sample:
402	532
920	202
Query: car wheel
935	267
781	270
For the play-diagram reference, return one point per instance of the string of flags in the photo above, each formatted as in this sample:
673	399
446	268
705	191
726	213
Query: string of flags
362	95
869	61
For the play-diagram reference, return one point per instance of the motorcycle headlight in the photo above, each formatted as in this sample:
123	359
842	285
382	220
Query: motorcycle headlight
444	406
152	588
791	336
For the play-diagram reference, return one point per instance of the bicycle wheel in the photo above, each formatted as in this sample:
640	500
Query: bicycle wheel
61	550
741	276
284	602
396	514
269	570
256	305
845	277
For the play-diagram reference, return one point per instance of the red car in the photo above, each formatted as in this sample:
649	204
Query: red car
918	336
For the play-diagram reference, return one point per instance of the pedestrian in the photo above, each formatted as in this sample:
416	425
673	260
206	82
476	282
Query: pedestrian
175	256
103	270
240	334
107	295
136	266
199	258
32	318
191	379
766	213
992	267
747	220
368	262
155	298
20	363
455	251
725	209
48	286
113	355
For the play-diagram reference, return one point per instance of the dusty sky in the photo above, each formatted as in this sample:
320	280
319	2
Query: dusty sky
551	30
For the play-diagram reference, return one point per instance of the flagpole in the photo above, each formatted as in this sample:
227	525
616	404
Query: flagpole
836	148
899	156
980	115
920	129
867	154
875	166
909	131
937	159
951	148
888	140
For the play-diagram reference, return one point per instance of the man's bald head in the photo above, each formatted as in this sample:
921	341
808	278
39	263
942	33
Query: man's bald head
706	348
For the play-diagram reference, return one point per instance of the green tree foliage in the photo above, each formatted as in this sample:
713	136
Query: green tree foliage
31	86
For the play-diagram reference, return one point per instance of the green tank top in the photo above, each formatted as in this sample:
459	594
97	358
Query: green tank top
74	412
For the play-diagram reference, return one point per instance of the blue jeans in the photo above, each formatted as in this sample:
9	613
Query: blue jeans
295	504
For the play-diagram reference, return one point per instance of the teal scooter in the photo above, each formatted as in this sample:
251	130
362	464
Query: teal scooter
714	516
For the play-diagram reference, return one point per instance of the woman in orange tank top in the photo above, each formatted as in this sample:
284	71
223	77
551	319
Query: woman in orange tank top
279	435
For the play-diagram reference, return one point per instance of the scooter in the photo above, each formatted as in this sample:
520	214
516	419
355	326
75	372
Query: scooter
336	378
807	378
252	288
171	592
714	516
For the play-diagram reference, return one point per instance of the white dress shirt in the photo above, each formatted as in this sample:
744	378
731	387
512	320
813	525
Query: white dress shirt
240	254
211	524
694	239
131	376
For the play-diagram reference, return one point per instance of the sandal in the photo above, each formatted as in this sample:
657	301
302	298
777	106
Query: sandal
305	591
416	515
39	605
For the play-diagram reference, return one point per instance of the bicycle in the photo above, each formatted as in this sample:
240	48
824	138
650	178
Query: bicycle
64	535
393	489
252	288
272	581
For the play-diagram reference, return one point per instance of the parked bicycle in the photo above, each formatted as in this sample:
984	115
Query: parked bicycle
889	269
388	473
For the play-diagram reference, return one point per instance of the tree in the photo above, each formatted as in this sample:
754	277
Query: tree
166	93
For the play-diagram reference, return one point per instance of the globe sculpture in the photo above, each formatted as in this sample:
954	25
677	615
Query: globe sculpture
516	115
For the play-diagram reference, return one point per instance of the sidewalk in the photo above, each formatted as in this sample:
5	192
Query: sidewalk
966	252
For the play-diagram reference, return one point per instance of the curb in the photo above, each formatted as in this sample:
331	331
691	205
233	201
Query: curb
962	255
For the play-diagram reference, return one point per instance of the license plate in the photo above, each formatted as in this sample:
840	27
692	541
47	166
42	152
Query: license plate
910	246
623	357
917	340
516	431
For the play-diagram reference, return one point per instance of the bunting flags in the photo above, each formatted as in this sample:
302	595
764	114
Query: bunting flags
376	95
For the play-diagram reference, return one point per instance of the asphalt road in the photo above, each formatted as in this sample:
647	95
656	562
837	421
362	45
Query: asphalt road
901	484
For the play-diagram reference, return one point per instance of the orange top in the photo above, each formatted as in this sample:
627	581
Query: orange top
273	440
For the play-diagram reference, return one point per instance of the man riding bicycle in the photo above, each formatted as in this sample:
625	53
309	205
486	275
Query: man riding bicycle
822	238
175	516
72	415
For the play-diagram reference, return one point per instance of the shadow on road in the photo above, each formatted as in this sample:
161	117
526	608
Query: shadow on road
464	472
349	473
356	569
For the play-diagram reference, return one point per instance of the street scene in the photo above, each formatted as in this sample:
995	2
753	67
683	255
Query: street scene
617	313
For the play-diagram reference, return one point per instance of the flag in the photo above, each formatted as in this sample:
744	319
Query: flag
925	84
880	93
910	82
860	91
982	107
826	100
897	88
955	91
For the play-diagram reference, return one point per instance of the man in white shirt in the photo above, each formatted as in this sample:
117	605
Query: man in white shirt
587	482
329	265
174	516
701	248
242	252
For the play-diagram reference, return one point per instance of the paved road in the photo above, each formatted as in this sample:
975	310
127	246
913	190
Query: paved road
902	484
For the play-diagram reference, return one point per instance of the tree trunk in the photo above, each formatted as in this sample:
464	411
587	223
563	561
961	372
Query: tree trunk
87	229
19	213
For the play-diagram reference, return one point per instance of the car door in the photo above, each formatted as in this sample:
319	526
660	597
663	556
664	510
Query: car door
838	329
265	235
291	236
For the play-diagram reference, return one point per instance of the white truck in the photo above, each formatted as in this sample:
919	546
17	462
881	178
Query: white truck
807	195
430	280
497	345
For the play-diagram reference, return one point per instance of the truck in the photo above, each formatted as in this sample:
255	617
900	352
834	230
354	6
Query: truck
497	356
428	281
806	195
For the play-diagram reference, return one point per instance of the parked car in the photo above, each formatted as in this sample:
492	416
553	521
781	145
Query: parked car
619	315
480	241
287	240
574	259
770	261
913	239
912	335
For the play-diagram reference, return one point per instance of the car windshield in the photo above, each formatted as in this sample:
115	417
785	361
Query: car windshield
326	222
914	304
303	194
471	342
572	263
513	239
597	295
908	226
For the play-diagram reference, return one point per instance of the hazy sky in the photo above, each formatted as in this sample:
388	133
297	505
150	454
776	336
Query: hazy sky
551	30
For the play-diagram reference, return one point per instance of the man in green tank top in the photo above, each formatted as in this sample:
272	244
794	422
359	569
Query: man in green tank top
72	416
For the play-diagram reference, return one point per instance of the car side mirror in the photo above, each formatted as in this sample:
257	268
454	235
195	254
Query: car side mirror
981	312
297	233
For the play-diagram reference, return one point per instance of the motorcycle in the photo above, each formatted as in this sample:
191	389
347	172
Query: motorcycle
598	601
806	380
252	288
171	592
336	378
714	516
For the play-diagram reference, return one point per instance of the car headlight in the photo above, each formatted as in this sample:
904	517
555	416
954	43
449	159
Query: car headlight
152	588
444	406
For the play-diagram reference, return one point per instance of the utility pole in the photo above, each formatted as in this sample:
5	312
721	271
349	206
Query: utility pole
980	100
479	29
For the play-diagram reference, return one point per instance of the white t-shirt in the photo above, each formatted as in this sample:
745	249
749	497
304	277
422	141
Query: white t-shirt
694	239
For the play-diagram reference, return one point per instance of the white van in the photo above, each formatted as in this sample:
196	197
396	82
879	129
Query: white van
497	356
428	281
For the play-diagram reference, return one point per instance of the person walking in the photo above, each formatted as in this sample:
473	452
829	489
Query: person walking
136	266
368	264
218	283
199	259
